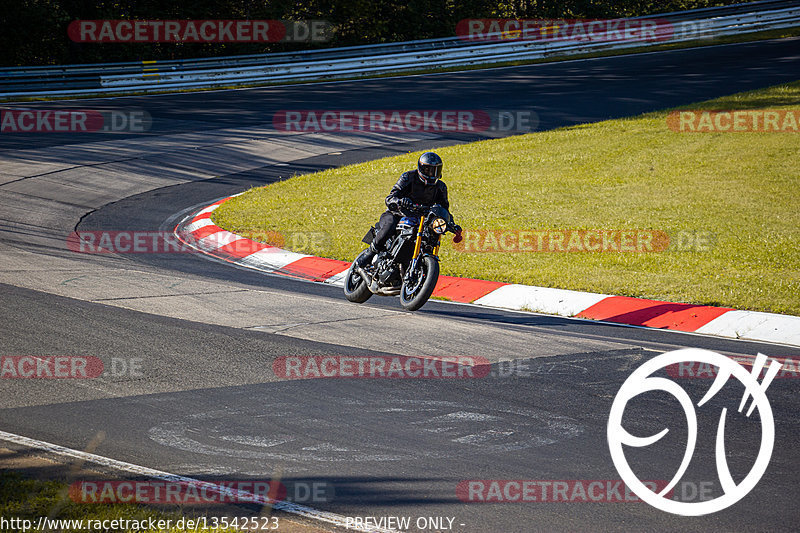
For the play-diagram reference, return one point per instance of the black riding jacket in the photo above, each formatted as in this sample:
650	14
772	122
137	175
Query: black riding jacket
410	186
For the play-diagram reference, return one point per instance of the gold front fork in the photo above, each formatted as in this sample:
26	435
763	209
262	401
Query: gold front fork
418	244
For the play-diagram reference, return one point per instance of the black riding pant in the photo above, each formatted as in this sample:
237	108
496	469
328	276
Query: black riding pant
387	224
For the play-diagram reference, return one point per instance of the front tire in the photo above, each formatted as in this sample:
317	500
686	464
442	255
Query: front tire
355	287
419	288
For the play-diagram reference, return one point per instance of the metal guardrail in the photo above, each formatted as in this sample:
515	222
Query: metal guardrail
356	61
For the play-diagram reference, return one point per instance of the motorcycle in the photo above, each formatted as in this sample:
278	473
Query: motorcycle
409	263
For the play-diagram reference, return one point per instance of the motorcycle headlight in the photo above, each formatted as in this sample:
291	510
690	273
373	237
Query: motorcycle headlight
439	225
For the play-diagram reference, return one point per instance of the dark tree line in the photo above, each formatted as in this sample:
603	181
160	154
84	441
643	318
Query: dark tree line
34	32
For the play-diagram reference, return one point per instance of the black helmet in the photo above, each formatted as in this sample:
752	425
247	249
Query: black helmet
429	168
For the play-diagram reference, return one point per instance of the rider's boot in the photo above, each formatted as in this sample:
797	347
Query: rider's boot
366	258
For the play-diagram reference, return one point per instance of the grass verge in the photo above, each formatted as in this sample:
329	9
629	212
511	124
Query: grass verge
23	498
742	189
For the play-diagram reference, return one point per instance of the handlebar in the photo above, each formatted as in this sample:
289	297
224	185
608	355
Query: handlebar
420	209
415	209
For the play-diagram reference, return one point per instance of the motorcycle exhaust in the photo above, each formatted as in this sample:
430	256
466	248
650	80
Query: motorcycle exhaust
372	283
388	291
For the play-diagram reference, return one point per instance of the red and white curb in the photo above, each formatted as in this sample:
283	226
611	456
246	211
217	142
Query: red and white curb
721	321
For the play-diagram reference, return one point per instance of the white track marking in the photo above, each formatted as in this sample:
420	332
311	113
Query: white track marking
541	299
337	279
501	430
202	223
218	240
272	258
280	505
209	209
769	327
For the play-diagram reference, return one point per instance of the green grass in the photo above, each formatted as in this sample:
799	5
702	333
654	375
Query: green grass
25	498
631	173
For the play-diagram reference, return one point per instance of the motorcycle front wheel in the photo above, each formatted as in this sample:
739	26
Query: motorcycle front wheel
419	285
355	287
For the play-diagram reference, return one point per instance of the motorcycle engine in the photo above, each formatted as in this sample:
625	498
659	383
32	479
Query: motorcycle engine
389	275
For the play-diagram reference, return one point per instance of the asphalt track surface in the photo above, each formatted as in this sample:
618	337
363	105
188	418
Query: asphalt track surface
208	404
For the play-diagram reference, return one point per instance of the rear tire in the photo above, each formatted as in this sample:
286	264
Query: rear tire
355	287
414	296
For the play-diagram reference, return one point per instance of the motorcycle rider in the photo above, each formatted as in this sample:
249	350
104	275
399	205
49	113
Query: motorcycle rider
421	186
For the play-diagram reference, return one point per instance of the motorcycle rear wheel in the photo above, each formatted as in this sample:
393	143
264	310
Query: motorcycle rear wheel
422	283
355	287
